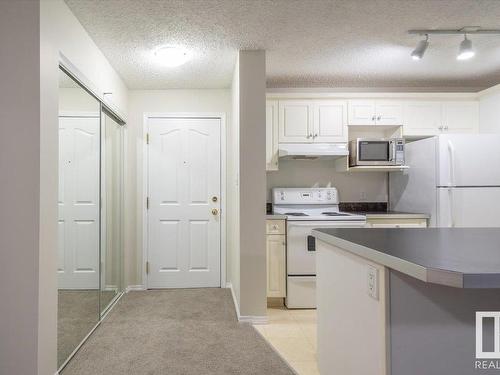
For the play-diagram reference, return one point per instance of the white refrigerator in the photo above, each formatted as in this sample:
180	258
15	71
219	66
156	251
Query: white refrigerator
454	178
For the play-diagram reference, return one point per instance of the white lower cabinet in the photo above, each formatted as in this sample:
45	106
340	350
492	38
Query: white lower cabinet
276	260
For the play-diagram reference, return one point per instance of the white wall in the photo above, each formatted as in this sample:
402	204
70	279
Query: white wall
154	101
20	140
489	110
233	191
252	182
68	36
353	187
77	100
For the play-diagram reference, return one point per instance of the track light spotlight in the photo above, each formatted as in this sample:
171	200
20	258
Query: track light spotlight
419	51
465	50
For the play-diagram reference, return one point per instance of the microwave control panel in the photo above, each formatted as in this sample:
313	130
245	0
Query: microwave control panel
400	152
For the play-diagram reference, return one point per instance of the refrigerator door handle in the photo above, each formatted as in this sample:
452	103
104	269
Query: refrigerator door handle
451	150
452	207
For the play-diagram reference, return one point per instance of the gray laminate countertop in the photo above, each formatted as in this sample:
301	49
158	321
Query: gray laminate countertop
457	257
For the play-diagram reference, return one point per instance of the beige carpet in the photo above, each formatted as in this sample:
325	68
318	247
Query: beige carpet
188	331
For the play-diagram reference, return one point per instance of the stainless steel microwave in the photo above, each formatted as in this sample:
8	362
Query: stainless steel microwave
377	151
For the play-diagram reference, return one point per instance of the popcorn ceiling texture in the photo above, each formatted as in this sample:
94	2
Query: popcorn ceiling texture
309	43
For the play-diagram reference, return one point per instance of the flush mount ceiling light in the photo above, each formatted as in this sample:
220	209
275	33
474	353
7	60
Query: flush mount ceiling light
419	51
171	56
465	50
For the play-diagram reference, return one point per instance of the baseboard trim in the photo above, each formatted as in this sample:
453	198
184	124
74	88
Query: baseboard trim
253	319
235	302
134	288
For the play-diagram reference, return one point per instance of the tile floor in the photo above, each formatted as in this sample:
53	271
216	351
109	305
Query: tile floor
293	334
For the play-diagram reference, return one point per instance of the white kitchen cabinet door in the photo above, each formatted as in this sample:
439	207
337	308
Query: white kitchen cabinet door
271	135
361	112
276	273
388	112
330	121
461	117
295	121
422	118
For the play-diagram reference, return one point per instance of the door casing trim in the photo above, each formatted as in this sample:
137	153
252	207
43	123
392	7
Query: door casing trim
145	165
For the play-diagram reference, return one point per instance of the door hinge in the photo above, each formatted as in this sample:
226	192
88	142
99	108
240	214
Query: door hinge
147	138
147	268
147	203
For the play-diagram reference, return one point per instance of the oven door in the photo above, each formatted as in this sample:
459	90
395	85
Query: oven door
375	152
301	245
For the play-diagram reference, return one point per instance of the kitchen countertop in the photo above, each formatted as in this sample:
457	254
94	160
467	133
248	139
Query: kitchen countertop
275	217
369	215
457	257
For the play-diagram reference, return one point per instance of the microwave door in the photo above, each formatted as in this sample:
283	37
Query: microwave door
373	152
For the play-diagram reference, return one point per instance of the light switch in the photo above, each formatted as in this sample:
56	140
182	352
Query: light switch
372	282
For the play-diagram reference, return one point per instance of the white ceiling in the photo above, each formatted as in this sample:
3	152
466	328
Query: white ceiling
309	43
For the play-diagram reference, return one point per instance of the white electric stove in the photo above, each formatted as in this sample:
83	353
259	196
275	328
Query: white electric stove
307	209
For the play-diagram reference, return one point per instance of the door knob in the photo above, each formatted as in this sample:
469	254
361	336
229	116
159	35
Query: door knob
215	212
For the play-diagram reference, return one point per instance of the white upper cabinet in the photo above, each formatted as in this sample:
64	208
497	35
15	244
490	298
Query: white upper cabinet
312	121
330	121
362	112
295	121
427	118
375	112
422	118
272	135
388	112
461	117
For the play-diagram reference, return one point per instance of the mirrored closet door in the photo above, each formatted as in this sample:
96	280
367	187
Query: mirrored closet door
90	214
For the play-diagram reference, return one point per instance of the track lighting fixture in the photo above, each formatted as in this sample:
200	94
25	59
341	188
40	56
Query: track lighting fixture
465	50
419	51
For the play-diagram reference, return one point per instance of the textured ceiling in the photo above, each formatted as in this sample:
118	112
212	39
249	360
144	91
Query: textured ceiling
309	43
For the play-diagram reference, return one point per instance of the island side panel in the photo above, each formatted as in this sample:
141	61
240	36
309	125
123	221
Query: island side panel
432	327
352	334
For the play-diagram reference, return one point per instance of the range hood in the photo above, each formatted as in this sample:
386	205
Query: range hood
311	151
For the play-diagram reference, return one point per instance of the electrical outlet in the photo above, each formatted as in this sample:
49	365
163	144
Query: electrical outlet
372	282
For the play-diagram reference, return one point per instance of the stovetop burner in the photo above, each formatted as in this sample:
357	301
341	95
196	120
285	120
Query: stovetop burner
334	214
295	214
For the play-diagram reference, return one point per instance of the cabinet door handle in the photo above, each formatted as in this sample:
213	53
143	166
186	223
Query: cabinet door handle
373	118
315	135
440	128
446	128
378	118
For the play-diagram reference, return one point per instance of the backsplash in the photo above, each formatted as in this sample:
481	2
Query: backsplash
363	206
352	187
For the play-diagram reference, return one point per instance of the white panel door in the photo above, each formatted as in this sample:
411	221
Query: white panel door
271	135
422	118
330	121
184	203
461	117
295	121
468	207
389	112
79	142
361	112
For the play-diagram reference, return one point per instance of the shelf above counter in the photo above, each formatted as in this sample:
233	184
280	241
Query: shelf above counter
342	165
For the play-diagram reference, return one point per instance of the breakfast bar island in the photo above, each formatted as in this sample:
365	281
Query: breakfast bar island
404	301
